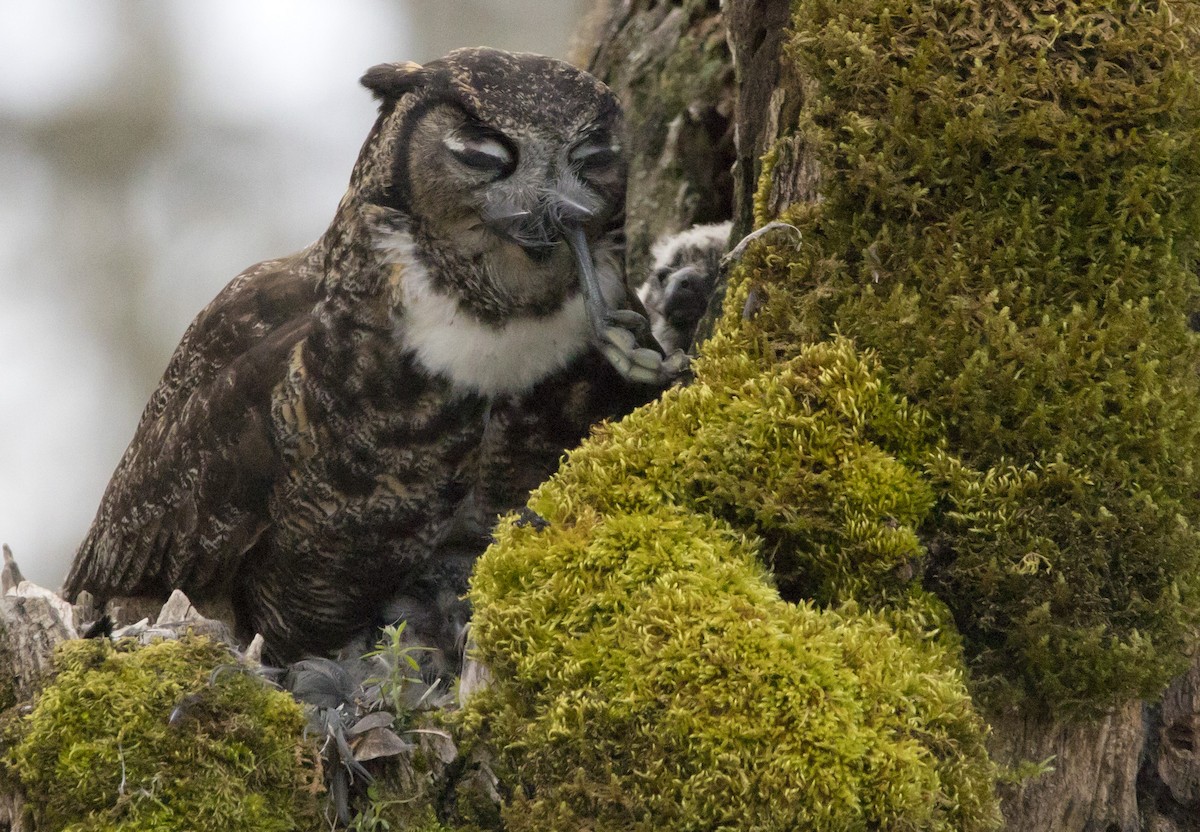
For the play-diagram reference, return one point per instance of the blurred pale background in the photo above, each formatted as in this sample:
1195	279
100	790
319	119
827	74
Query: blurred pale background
149	151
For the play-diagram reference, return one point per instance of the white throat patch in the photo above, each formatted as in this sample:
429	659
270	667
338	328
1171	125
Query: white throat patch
489	360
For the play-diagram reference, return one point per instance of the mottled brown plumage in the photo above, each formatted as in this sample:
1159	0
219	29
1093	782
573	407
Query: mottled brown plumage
339	429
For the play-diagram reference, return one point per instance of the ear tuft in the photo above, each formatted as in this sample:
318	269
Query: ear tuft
393	80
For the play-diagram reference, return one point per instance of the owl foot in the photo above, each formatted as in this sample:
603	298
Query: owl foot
639	364
618	332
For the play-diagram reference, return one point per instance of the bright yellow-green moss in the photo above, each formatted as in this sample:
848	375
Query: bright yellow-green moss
806	455
649	678
647	673
1009	222
98	753
1006	239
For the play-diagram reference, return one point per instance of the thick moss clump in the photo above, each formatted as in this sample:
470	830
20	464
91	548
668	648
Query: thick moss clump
1009	218
808	455
648	678
98	752
647	673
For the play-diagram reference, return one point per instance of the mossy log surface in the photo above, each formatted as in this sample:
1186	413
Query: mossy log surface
911	121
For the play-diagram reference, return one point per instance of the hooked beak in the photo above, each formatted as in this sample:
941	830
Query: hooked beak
568	216
539	233
523	228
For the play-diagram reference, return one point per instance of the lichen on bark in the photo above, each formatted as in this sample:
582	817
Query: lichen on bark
669	64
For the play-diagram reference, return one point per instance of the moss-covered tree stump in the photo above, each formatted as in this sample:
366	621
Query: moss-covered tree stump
997	202
647	673
937	460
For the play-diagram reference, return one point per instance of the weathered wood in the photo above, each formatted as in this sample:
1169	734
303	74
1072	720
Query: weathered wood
669	64
12	805
33	621
1093	784
32	626
1169	789
10	575
1137	768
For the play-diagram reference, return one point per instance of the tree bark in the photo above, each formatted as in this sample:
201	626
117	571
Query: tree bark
1169	783
670	65
1093	781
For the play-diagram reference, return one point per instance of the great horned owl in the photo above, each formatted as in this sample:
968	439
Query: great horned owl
338	430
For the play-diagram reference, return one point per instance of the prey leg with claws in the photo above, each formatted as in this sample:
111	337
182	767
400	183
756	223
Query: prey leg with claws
623	335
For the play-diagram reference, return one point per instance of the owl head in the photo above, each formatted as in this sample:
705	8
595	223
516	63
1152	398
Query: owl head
503	169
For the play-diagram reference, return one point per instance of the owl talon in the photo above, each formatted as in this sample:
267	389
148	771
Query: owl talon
640	364
622	339
635	322
675	363
649	359
618	358
642	375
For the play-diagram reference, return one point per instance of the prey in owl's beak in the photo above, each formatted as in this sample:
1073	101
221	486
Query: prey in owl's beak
616	332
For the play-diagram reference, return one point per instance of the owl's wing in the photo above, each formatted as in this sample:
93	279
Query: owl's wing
189	497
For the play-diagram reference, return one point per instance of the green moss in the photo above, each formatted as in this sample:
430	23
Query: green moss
648	677
807	455
98	752
648	674
1009	219
981	342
